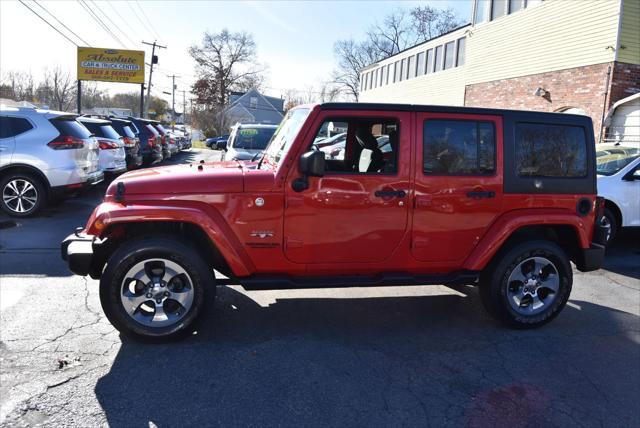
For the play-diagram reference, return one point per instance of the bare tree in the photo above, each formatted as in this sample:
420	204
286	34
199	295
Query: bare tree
18	86
399	30
225	62
58	89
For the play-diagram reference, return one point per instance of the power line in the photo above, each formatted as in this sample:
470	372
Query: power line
149	21
99	21
61	23
137	35
114	24
48	23
140	19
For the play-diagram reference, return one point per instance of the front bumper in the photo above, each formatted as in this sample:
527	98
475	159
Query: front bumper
77	251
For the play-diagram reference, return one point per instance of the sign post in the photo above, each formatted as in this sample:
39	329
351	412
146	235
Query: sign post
109	65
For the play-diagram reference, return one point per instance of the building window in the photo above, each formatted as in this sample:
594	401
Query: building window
449	55
458	147
371	80
420	65
397	72
482	11
383	75
375	78
498	9
403	68
253	103
545	150
388	73
438	59
430	61
515	5
411	72
461	49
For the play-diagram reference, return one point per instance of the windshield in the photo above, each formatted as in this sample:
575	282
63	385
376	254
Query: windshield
611	160
252	138
284	136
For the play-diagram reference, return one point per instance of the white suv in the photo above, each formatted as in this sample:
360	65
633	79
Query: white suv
43	155
618	167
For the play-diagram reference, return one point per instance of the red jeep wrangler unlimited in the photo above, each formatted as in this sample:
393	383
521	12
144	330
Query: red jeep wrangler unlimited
413	195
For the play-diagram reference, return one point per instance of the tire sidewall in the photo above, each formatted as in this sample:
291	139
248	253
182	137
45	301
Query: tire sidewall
34	182
134	252
613	224
500	283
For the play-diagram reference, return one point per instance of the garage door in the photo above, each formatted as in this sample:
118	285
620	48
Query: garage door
625	123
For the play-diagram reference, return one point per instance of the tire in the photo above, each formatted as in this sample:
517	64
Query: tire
22	194
140	318
609	219
533	303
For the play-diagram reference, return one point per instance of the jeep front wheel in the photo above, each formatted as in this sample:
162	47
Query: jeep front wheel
155	288
529	285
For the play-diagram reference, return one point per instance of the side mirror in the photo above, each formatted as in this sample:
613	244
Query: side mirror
221	145
312	163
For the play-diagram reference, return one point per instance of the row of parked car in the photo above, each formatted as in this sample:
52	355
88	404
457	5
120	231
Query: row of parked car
46	155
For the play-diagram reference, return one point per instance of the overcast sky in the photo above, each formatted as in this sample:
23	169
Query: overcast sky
294	39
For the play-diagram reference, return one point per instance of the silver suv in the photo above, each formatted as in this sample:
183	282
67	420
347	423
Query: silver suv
43	155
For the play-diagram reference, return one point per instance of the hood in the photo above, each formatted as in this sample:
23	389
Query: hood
195	178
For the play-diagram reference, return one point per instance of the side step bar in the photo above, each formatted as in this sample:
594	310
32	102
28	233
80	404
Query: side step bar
277	282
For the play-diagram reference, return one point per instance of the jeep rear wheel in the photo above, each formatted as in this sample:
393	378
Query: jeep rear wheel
155	288
529	285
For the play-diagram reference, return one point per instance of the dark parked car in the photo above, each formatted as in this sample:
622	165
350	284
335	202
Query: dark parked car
150	142
131	141
217	143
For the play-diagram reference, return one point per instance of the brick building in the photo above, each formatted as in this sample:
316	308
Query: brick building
553	55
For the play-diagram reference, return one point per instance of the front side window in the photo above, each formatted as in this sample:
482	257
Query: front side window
449	54
545	150
13	126
358	145
458	147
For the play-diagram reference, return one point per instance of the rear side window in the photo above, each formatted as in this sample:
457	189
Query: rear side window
12	126
71	128
127	132
545	150
458	147
102	130
152	130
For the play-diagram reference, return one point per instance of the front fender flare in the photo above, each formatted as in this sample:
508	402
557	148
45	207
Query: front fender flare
199	214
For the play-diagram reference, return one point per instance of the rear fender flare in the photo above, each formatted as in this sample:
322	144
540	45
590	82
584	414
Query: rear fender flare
199	214
500	231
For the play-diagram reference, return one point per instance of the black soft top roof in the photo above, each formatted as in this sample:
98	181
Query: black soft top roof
451	109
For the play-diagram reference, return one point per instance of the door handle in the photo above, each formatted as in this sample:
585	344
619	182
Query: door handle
390	193
481	194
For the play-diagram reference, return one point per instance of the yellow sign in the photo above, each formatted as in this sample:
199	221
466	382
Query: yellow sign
110	65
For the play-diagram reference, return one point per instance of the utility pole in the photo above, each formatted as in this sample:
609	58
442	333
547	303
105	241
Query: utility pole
173	96
154	60
184	108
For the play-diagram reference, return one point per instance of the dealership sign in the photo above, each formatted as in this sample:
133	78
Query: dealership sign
110	65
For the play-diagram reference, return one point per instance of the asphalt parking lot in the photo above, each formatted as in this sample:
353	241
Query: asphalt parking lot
355	357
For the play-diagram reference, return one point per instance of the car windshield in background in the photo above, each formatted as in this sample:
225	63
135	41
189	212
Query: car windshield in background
71	127
253	138
611	160
284	135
